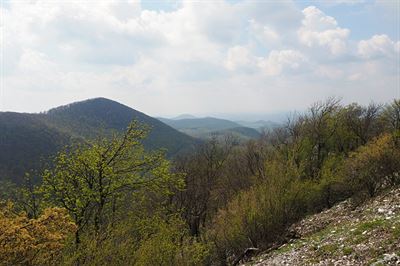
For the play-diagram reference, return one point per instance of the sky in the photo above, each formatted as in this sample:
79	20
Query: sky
220	57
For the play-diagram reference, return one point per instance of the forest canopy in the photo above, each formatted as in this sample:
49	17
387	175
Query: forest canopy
109	201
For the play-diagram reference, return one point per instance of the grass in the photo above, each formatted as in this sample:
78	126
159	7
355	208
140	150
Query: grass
368	226
289	247
328	249
348	250
396	231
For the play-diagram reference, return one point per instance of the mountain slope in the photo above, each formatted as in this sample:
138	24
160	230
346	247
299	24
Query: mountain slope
343	235
241	132
91	117
207	123
259	125
184	116
27	141
204	128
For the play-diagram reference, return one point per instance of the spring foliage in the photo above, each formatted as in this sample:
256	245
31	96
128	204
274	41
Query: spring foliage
113	203
33	241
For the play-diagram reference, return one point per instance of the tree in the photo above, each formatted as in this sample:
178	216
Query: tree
90	180
203	170
375	165
391	115
362	122
38	241
26	197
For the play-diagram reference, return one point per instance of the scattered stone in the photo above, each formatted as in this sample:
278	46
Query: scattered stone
344	235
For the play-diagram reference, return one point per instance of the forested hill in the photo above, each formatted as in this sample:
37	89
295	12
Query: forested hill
102	116
28	140
209	123
25	142
207	127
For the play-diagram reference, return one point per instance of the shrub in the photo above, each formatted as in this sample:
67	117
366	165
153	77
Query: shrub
259	216
33	241
374	166
141	241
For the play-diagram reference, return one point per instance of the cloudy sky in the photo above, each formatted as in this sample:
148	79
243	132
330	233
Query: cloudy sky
206	57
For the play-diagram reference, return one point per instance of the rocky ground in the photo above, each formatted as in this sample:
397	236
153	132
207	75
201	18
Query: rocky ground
345	235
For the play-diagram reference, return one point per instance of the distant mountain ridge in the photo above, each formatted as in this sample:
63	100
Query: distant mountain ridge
184	116
205	127
259	124
244	133
209	123
28	140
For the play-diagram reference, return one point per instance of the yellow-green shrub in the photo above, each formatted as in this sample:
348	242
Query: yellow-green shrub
259	216
141	241
40	241
374	166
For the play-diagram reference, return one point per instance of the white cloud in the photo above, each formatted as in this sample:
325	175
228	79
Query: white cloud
263	33
278	61
239	57
330	72
319	29
209	56
378	46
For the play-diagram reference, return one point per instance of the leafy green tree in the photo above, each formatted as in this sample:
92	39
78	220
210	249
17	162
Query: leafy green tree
91	180
26	196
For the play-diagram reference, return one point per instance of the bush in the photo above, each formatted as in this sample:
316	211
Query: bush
332	186
141	241
259	216
374	166
38	241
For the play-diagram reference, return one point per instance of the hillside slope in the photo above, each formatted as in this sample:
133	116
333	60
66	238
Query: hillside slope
27	141
206	123
259	125
101	116
245	133
345	235
204	128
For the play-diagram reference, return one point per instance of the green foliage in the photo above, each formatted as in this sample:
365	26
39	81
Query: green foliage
169	244
91	180
146	240
26	197
28	141
117	195
307	168
375	165
332	184
259	216
134	207
101	117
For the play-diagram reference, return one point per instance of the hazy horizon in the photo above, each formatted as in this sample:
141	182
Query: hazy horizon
232	58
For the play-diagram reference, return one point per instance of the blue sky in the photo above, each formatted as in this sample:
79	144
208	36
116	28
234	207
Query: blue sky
206	57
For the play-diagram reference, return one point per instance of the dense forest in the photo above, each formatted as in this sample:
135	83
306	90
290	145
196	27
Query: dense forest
27	141
108	200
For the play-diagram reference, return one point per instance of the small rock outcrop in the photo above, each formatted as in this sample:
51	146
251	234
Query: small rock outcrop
344	235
